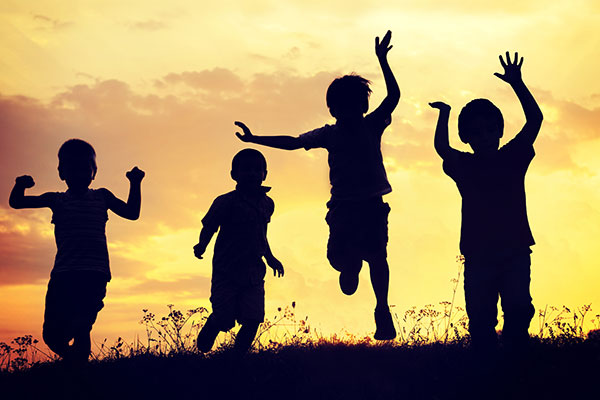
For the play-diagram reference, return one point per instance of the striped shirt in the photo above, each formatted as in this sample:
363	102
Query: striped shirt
79	229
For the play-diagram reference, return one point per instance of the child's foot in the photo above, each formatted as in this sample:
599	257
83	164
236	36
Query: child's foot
349	281
204	342
385	324
207	336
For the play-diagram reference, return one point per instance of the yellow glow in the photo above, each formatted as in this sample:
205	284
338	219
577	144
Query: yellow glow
159	86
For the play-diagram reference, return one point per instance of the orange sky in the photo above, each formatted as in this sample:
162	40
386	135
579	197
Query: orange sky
159	86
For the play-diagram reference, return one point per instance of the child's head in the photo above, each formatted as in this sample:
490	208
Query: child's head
249	167
348	97
77	163
480	124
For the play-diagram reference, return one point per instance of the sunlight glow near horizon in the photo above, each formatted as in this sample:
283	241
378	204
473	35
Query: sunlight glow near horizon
100	71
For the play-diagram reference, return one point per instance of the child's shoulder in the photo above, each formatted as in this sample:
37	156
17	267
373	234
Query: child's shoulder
225	198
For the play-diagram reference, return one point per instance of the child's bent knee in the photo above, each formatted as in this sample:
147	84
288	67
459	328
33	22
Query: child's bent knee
343	261
222	323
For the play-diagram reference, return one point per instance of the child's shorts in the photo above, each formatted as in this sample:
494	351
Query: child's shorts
73	301
232	302
358	230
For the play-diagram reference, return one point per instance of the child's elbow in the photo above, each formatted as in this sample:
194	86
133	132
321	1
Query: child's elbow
132	215
15	204
537	119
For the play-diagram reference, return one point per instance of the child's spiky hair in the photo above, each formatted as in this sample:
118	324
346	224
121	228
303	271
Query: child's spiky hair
478	108
348	92
75	150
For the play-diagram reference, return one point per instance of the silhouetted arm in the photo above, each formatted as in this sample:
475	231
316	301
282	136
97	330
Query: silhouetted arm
131	209
393	91
206	235
533	114
441	141
278	142
18	199
272	262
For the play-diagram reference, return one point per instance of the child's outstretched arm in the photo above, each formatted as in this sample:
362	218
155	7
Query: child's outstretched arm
441	141
274	263
18	199
131	209
533	114
278	142
393	91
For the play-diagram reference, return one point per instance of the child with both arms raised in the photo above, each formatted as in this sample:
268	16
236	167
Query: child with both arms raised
495	236
357	215
81	270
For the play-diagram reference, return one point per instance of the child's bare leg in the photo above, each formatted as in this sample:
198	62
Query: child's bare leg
81	347
208	335
380	280
246	336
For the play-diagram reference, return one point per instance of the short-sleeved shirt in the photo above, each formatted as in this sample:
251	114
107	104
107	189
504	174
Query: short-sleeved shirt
356	170
79	230
241	243
494	211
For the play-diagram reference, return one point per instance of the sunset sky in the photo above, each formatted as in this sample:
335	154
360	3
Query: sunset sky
158	85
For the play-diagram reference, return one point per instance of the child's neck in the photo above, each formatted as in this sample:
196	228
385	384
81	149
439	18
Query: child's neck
250	189
78	191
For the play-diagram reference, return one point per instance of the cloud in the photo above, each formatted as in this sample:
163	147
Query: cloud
218	79
183	140
151	25
50	24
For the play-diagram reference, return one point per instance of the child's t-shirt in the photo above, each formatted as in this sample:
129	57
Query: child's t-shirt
356	170
79	231
242	240
494	211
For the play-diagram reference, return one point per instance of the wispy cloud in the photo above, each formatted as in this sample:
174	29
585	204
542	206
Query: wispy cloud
149	25
48	23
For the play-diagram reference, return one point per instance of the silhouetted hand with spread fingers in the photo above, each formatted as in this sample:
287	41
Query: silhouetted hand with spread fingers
512	69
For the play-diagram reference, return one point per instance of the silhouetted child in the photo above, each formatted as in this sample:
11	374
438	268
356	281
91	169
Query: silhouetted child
495	235
81	268
357	215
237	286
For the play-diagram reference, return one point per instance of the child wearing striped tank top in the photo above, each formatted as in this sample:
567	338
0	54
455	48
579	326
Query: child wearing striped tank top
81	270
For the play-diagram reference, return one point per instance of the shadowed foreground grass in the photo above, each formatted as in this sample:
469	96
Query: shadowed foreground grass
325	370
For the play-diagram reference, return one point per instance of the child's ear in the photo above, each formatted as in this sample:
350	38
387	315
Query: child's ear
365	106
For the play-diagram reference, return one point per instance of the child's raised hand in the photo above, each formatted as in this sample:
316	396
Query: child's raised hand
135	175
440	105
247	136
383	47
512	70
276	265
24	181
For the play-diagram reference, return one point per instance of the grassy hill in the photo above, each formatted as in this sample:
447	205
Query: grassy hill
555	369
